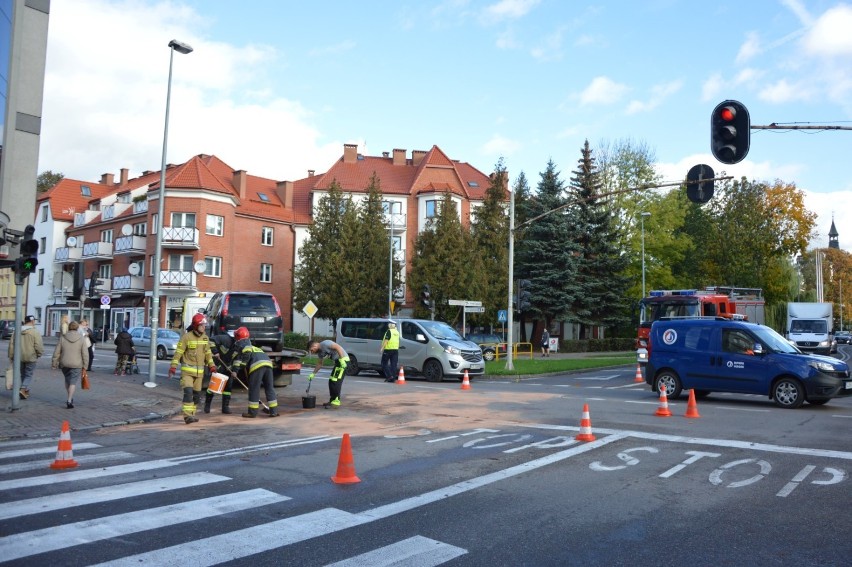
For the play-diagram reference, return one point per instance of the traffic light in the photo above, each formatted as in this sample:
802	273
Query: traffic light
730	132
93	284
28	260
522	303
426	297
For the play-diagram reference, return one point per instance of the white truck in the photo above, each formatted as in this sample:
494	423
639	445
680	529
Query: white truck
810	326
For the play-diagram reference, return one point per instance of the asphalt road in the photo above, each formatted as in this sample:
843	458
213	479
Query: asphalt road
487	476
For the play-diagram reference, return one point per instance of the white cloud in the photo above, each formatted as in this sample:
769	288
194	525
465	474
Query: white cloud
550	47
831	35
340	47
659	93
749	48
782	91
603	90
508	10
711	88
500	146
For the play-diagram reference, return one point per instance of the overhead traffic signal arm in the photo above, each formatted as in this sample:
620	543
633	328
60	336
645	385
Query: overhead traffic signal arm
730	132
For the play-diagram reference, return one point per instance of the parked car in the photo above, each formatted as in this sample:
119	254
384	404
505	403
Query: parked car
721	355
258	312
490	344
167	341
7	328
843	337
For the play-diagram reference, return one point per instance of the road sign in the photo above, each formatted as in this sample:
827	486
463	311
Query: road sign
310	309
699	183
471	309
104	305
502	316
105	299
464	303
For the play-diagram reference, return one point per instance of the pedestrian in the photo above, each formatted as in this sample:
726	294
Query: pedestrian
193	355
390	352
335	381
126	351
86	331
32	347
223	354
258	367
545	343
72	356
63	325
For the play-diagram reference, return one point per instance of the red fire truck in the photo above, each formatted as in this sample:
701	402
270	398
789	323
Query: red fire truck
712	301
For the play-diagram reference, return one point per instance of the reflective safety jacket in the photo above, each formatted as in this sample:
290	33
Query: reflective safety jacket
249	357
193	354
222	347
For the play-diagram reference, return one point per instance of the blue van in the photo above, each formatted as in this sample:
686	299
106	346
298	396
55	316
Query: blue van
722	355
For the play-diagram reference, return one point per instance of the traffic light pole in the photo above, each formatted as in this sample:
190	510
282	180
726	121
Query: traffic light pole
16	353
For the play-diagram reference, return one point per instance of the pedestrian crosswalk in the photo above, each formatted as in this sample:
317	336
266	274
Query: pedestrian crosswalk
115	497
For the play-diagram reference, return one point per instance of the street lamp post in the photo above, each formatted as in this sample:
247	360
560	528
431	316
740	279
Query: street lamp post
390	264
180	47
642	221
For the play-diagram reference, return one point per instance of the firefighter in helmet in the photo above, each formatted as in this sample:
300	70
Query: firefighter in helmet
193	355
259	369
222	347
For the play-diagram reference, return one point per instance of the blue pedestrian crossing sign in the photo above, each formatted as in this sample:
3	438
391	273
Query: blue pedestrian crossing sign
502	316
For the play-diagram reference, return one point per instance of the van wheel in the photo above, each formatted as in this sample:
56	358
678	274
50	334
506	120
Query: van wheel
352	366
433	371
672	383
788	393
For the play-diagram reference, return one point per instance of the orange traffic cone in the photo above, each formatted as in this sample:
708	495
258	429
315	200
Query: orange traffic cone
663	410
585	426
465	381
401	378
691	406
345	464
638	377
64	453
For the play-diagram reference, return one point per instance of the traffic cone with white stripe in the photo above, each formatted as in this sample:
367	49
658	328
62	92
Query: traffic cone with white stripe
638	377
64	453
465	381
585	426
663	410
400	380
691	406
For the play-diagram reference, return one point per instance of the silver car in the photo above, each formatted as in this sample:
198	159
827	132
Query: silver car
167	341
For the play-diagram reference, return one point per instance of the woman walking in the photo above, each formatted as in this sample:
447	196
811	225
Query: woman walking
72	356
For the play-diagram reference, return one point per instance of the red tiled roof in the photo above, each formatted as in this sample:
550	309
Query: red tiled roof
66	197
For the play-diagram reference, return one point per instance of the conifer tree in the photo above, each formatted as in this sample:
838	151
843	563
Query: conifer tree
490	230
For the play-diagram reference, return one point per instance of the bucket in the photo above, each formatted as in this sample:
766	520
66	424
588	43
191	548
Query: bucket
217	383
309	402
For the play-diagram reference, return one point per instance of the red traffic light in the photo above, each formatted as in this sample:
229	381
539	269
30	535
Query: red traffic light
728	113
730	126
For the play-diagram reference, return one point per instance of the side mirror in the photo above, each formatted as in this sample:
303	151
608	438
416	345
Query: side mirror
758	348
420	338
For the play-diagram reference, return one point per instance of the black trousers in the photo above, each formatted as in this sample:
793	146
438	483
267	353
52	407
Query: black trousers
390	363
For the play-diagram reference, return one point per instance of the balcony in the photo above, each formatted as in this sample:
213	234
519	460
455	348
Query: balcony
140	207
181	237
112	211
395	221
175	282
131	244
68	255
128	284
85	217
399	256
97	250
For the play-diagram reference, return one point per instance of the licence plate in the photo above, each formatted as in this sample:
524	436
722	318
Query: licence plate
252	319
478	367
848	385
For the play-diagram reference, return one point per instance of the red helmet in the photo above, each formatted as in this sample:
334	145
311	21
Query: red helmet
241	333
199	319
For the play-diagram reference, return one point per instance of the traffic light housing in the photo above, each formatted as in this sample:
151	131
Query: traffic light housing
522	302
730	132
93	284
27	262
426	297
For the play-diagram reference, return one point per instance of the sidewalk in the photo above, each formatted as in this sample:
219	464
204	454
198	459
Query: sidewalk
112	400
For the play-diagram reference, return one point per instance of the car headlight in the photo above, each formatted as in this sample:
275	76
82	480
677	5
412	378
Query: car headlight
822	366
450	349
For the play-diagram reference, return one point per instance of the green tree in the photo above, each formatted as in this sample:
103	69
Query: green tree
47	180
490	230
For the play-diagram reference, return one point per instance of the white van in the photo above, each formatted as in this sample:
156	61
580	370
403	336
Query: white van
430	348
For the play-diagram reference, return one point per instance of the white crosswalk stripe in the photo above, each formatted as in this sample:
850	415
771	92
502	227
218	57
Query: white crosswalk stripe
43	450
417	551
81	459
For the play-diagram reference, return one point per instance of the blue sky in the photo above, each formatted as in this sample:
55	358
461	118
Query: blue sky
277	87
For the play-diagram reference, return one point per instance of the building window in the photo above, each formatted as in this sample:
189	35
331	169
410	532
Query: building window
105	272
431	209
41	277
180	263
106	235
183	220
155	223
263	197
42	245
266	273
140	229
392	207
213	266
215	225
85	191
266	236
123	198
44	214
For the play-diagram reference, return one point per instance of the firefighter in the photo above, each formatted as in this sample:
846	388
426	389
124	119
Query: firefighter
193	355
335	381
222	348
259	369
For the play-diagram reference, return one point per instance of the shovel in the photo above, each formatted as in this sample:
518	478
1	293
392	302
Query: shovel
228	368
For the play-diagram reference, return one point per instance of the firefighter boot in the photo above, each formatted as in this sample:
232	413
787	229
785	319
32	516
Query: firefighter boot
208	400
226	404
252	412
273	411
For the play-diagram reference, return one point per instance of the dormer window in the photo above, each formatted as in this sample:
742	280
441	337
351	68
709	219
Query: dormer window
85	191
263	197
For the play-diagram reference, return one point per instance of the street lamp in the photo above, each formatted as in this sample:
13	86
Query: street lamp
642	222
180	47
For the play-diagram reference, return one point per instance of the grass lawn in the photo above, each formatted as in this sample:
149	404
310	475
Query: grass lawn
526	367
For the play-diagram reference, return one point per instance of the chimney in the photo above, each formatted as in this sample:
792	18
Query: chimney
240	182
124	173
350	153
107	179
311	172
385	154
417	157
398	157
285	193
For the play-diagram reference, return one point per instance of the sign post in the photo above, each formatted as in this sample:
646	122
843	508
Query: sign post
469	307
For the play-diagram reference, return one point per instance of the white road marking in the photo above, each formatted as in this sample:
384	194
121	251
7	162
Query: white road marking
417	551
81	459
44	450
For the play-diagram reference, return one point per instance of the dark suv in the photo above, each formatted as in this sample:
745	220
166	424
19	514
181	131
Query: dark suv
490	344
256	311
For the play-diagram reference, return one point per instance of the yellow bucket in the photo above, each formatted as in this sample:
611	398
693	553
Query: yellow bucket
217	383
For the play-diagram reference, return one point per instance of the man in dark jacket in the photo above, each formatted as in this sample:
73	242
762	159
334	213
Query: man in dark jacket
125	351
221	346
259	369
